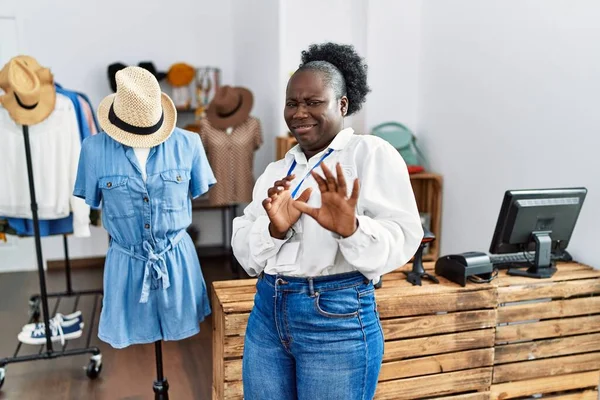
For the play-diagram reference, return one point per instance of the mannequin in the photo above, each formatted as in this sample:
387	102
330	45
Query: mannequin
153	283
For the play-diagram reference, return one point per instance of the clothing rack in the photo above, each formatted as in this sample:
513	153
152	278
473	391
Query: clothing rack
47	351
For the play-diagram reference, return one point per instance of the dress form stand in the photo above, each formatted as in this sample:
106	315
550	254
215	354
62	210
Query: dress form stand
161	385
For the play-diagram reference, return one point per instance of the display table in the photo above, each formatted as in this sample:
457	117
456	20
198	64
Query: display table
457	342
548	335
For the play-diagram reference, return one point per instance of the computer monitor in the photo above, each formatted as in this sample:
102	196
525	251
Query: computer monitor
540	220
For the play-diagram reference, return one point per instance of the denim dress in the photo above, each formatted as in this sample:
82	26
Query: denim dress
153	285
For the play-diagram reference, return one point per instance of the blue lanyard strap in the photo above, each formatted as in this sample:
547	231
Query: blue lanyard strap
307	175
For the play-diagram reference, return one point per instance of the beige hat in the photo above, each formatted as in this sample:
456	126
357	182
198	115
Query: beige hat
139	114
30	94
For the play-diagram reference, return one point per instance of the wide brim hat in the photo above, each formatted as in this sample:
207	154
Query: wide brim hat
139	114
30	95
230	107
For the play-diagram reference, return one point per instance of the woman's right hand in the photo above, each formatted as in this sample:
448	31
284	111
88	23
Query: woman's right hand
280	209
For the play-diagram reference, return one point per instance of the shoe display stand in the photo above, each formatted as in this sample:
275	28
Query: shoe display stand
47	351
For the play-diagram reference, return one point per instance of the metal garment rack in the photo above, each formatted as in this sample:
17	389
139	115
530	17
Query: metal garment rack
47	351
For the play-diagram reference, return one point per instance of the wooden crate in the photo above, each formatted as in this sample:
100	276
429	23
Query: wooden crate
438	338
426	186
232	302
548	335
282	145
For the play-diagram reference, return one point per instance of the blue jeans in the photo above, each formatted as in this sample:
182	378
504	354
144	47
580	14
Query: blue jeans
313	338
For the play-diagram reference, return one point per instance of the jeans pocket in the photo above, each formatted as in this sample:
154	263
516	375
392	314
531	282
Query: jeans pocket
343	303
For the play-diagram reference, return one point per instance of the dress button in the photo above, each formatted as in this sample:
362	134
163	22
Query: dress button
109	184
178	178
145	199
147	226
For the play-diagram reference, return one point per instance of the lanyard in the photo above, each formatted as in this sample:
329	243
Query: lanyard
306	176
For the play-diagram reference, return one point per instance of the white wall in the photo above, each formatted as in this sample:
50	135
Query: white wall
9	32
393	51
256	63
509	99
78	40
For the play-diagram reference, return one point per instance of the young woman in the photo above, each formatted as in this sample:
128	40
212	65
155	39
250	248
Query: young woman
325	222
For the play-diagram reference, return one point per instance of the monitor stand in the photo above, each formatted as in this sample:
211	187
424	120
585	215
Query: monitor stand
543	266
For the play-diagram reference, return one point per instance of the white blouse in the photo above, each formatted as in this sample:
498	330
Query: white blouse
389	231
55	146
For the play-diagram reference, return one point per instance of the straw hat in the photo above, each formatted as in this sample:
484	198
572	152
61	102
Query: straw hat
30	94
138	115
230	107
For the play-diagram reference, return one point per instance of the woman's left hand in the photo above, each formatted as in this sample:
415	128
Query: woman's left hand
338	212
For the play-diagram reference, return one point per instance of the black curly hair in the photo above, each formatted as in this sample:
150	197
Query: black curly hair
343	69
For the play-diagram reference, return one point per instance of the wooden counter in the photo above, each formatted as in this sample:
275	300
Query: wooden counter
548	335
457	342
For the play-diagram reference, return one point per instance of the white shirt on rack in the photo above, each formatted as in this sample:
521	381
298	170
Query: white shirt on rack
389	231
142	153
55	146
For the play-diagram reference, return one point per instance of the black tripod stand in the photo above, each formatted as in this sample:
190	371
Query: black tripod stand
161	385
418	272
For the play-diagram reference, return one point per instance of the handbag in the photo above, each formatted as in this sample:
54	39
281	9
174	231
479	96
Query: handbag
403	140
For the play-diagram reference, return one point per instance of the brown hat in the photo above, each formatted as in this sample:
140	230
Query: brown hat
230	107
180	74
30	94
138	115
